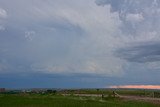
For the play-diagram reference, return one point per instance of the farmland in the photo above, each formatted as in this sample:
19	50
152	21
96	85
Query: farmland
73	98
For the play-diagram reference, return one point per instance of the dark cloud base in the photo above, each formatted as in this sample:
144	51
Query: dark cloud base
141	52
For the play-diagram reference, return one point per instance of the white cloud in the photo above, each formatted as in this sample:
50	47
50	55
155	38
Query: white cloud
93	53
3	13
134	17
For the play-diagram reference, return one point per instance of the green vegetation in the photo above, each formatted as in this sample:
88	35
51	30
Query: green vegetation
50	100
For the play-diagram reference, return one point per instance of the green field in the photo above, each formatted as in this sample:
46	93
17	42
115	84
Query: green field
49	100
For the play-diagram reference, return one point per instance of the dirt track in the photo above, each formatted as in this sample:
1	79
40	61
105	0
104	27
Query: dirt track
124	97
137	98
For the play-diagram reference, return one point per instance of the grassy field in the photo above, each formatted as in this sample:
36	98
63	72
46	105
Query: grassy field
37	100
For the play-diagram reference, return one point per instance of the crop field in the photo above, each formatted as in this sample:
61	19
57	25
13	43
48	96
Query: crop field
59	100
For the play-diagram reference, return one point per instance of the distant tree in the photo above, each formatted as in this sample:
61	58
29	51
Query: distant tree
51	91
54	91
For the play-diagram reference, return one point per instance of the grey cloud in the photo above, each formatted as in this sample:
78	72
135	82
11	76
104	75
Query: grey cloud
128	6
116	5
69	37
140	18
59	37
141	53
148	9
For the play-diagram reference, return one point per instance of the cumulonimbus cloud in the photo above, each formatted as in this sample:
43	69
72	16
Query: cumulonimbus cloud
68	38
75	37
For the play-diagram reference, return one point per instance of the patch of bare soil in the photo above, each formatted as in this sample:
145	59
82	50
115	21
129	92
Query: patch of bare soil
138	98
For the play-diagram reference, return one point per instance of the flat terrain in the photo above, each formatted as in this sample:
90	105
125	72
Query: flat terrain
124	97
137	98
50	100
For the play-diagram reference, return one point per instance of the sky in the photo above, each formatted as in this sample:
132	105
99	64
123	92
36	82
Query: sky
79	43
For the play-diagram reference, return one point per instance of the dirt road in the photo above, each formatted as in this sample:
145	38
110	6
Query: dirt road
124	97
138	98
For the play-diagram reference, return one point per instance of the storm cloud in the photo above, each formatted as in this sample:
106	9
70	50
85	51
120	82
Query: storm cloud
60	37
140	26
96	38
141	52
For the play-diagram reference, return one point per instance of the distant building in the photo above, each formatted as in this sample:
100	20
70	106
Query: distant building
2	90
